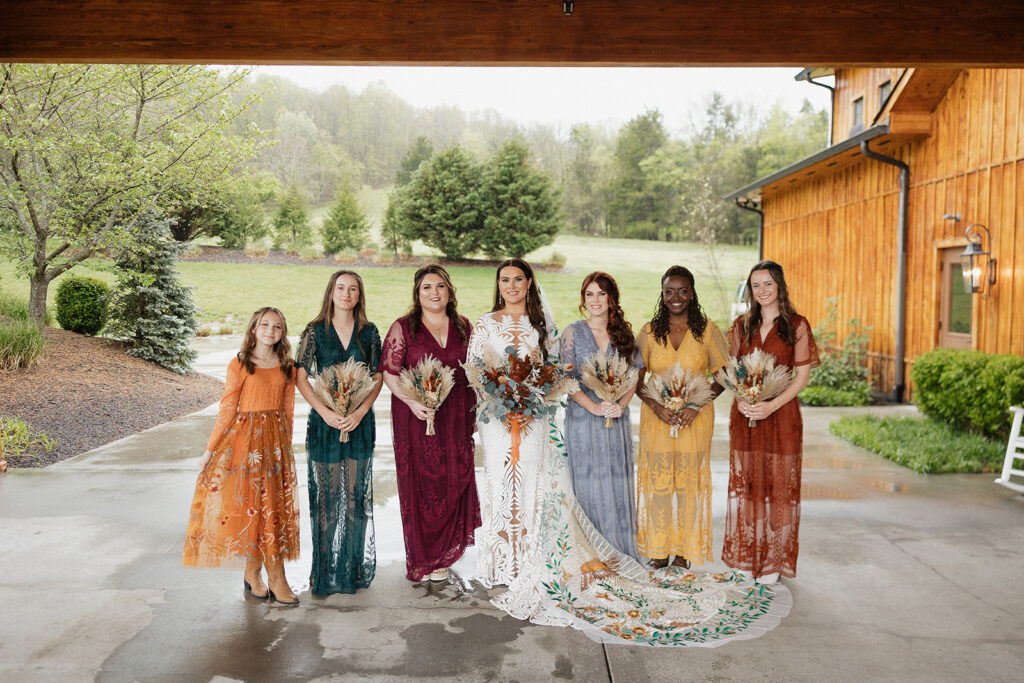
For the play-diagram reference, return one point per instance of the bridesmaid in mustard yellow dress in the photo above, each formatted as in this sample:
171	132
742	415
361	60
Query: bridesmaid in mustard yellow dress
674	474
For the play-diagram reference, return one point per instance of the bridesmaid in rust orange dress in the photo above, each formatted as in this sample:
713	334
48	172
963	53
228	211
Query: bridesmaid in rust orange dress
244	503
763	519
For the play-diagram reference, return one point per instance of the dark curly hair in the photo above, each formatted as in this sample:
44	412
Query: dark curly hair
752	318
695	316
416	311
619	330
533	309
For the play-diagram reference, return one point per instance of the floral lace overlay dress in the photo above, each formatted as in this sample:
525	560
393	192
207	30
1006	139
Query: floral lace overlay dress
245	501
763	519
509	505
674	474
436	477
600	459
567	574
340	474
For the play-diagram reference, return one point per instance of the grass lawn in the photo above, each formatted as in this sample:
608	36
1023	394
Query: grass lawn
923	445
228	293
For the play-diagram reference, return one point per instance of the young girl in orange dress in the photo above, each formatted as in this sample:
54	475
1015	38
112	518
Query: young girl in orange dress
245	501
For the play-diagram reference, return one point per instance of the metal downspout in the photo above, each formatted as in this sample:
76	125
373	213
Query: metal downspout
832	95
901	268
752	206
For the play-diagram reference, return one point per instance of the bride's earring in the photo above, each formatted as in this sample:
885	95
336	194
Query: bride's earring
501	301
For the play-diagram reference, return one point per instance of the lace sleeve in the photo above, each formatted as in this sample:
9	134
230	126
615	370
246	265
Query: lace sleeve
374	339
715	347
393	353
736	337
305	357
567	350
477	339
805	350
228	402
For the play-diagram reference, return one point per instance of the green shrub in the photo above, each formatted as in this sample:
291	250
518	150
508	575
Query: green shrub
924	445
842	377
858	395
970	389
81	303
556	260
20	440
12	306
21	343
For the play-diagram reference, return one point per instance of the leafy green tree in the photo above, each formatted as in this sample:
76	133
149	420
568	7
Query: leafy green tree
441	206
85	150
519	204
241	219
291	223
421	150
583	199
636	205
345	227
150	308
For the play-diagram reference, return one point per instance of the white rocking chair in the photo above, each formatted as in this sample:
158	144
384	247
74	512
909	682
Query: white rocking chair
1014	451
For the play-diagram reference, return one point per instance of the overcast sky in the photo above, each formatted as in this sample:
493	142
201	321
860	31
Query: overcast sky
565	96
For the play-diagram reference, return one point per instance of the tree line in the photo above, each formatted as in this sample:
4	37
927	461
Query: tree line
86	150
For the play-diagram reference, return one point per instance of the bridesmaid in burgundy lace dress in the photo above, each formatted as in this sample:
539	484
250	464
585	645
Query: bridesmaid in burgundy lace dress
763	520
436	479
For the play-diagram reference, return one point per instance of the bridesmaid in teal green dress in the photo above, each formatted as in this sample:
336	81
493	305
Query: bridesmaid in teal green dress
340	474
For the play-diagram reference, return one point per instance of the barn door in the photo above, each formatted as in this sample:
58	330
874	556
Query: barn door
955	309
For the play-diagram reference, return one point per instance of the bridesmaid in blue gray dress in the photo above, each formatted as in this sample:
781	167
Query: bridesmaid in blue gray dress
600	459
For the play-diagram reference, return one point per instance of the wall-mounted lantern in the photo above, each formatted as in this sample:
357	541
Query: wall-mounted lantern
978	266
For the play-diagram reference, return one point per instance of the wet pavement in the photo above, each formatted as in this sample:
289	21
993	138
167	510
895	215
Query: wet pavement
901	576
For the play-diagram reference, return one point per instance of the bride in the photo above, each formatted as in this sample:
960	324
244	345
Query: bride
536	539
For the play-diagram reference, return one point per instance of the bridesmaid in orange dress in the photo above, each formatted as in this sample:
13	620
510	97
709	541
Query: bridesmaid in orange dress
245	502
763	519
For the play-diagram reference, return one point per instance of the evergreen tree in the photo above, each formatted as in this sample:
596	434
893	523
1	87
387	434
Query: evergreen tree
391	231
519	202
422	149
150	308
291	224
441	204
240	219
346	226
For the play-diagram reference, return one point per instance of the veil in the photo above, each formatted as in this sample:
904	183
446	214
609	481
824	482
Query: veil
575	577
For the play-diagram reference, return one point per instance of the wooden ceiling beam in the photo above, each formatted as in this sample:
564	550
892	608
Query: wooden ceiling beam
522	32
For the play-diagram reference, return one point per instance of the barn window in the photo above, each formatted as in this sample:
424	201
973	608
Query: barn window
858	115
883	93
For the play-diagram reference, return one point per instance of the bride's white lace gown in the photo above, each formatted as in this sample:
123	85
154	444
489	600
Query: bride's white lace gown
509	504
536	539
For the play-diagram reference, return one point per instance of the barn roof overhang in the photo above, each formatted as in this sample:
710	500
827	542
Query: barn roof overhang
521	32
825	162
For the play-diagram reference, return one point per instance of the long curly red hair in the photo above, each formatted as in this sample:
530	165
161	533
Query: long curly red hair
619	330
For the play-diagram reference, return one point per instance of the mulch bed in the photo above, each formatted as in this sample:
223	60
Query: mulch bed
86	391
280	257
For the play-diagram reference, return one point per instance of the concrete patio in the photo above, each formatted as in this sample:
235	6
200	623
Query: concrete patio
902	577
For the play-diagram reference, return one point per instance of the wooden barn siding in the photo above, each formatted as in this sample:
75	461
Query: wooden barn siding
851	84
836	235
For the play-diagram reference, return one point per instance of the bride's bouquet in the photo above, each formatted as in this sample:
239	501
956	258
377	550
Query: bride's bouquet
344	387
754	377
512	388
608	375
678	389
429	382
